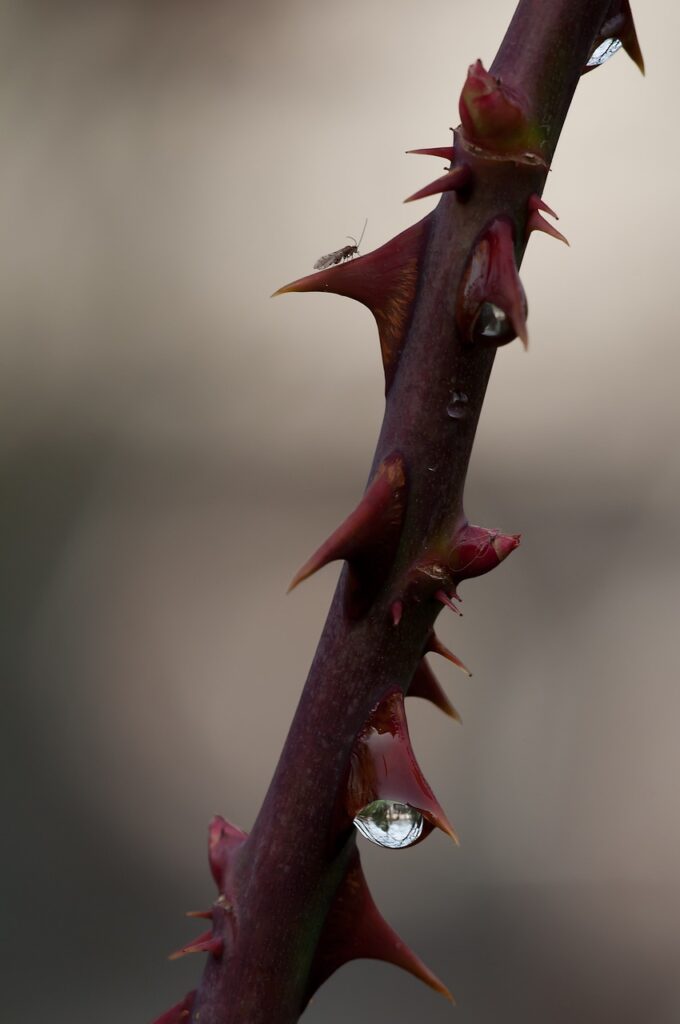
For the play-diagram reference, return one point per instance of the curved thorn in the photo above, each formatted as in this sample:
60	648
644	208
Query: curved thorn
536	203
205	943
452	181
426	685
435	646
396	610
179	1013
355	929
537	223
446	600
377	516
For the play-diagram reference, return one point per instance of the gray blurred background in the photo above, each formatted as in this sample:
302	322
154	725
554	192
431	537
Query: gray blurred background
173	445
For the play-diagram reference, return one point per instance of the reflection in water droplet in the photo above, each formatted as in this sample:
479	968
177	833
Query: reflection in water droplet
603	52
456	407
492	322
391	824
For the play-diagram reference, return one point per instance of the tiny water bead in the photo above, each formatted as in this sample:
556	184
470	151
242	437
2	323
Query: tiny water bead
457	406
390	824
604	52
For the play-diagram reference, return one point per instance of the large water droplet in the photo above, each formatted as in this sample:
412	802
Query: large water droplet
391	824
604	52
457	406
493	324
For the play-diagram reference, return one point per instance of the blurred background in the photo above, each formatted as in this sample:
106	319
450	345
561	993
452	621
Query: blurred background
173	445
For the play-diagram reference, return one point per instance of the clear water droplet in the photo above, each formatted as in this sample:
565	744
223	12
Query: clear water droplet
391	824
457	406
492	323
604	52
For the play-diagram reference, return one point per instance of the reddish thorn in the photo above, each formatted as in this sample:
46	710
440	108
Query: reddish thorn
378	514
384	280
537	223
426	685
619	24
206	915
205	943
435	646
491	277
446	600
397	609
452	181
384	767
536	203
178	1013
446	152
355	929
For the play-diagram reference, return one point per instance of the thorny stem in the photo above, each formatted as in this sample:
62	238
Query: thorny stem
292	862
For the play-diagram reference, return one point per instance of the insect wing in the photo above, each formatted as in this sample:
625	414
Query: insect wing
330	260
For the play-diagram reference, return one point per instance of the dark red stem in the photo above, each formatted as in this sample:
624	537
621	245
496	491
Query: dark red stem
290	866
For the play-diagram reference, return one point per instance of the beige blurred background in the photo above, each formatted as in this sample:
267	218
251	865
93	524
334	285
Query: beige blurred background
173	444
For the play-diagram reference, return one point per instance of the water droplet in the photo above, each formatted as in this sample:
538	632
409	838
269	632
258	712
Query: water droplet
431	469
604	52
456	407
391	824
493	324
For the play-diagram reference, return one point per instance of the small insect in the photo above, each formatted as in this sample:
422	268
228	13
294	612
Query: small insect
346	253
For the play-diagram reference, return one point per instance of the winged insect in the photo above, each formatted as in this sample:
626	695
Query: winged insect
340	255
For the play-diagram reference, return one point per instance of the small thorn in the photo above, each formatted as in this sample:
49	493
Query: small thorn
537	223
435	646
205	943
397	610
426	685
180	1013
446	600
206	915
446	152
452	181
536	203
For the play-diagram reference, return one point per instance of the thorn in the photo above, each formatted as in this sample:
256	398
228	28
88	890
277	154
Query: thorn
620	25
536	203
446	600
384	767
426	685
206	915
384	280
397	609
491	277
446	152
537	223
355	929
435	646
372	529
179	1013
452	181
206	943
